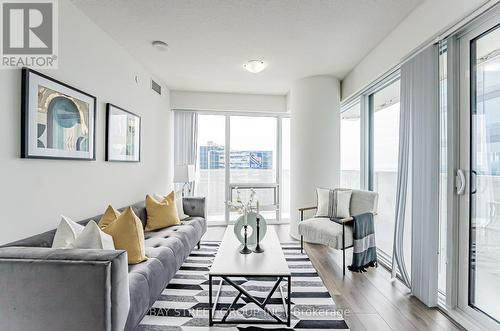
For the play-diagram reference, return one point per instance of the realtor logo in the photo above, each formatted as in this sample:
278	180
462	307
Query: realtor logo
29	33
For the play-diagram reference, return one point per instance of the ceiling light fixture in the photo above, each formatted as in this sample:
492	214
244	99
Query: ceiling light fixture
255	66
160	45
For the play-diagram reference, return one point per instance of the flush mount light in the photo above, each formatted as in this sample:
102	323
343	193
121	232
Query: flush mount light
160	45
255	66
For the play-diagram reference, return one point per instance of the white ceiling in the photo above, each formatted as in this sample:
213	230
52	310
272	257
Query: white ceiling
211	39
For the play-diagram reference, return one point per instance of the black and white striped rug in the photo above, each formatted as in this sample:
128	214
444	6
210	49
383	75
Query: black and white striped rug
183	305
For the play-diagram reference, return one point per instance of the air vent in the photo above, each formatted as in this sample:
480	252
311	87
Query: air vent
156	87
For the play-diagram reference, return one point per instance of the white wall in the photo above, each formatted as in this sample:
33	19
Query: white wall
35	192
425	22
315	154
214	101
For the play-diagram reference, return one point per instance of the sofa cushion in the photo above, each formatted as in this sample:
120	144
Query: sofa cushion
198	223
325	231
166	256
153	270
186	233
173	243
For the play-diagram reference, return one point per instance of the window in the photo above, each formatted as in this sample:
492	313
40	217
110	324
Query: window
384	109
369	143
258	158
210	180
253	162
350	148
253	157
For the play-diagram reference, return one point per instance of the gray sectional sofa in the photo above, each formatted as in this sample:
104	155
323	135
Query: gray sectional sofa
81	289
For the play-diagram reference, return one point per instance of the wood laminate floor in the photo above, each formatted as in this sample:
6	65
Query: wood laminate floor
371	300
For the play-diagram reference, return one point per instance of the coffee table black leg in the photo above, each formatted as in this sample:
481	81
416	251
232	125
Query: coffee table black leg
289	315
228	311
210	321
262	305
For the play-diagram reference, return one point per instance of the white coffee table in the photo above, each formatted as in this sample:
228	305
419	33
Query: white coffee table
229	262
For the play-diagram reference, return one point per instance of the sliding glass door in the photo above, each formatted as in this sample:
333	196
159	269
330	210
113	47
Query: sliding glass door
211	165
369	156
350	147
384	116
479	225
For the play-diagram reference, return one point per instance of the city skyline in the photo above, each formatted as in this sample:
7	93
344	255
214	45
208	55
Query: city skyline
212	156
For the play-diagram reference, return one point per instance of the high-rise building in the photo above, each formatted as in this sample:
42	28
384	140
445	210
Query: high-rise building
212	156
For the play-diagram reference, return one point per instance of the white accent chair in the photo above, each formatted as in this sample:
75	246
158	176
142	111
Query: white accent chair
336	233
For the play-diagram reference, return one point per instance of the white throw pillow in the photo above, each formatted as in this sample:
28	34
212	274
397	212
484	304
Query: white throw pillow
178	204
333	203
323	197
92	237
342	202
70	234
66	232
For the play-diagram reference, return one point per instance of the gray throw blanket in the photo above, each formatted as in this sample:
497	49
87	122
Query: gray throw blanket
365	250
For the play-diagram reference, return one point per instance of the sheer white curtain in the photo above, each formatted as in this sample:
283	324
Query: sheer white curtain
185	138
418	174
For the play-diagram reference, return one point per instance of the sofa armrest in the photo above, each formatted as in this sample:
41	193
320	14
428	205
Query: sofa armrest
63	289
194	206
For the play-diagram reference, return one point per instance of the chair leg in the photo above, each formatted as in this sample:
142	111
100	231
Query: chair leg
343	249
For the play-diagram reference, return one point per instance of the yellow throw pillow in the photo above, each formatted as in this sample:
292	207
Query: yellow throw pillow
161	214
128	234
109	216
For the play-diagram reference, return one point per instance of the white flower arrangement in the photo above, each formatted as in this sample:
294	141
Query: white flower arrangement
240	206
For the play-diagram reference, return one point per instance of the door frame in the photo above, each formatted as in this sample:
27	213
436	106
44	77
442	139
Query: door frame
279	158
486	25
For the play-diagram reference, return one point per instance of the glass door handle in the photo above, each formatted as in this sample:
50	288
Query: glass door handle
460	182
474	176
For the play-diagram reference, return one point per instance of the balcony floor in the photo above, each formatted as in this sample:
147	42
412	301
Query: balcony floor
371	300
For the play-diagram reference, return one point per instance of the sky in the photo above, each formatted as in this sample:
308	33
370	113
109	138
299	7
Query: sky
247	133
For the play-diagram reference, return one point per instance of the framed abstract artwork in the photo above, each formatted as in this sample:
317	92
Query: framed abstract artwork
123	135
57	120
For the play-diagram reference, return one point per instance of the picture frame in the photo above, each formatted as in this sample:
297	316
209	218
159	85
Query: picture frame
123	135
58	121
